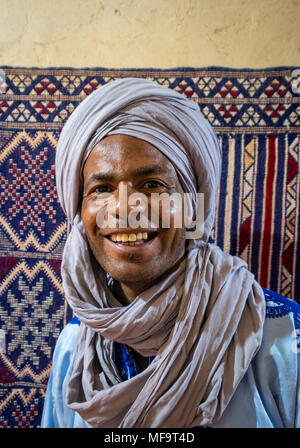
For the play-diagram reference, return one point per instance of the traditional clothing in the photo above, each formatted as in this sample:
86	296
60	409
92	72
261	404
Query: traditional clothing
268	396
203	324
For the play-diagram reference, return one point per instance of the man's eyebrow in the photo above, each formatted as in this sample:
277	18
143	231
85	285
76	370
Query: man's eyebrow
99	177
147	170
142	171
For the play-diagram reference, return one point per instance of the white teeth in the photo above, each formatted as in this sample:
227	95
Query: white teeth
131	237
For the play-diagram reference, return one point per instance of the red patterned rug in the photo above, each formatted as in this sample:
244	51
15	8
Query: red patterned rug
256	115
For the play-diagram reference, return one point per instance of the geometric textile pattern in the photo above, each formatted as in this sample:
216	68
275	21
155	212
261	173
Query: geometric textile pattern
258	212
256	116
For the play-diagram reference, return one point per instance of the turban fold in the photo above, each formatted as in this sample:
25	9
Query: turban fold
202	323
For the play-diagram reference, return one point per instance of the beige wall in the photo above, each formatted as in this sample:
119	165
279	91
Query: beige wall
149	33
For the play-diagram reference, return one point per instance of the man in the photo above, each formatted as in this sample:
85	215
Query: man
170	331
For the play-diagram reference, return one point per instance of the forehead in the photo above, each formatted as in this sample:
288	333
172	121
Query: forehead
122	153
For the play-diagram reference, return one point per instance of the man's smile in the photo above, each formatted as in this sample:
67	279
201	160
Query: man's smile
132	241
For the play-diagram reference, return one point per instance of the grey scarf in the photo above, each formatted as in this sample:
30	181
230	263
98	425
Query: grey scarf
203	323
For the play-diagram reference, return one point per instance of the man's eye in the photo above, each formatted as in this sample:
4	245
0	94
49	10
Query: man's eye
152	184
102	189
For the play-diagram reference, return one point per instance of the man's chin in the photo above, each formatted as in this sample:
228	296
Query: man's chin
131	276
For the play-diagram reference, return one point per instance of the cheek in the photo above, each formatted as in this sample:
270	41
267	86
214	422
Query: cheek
166	213
88	216
177	215
173	241
177	228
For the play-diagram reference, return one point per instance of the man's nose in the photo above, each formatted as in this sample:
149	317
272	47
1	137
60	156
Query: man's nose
121	207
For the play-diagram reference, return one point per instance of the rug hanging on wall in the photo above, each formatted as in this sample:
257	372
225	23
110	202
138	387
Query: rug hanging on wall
256	115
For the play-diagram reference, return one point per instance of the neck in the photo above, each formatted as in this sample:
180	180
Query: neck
128	291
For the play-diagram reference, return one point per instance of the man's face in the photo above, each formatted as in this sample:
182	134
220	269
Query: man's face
116	162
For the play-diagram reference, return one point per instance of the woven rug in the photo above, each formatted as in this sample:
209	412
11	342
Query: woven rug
256	115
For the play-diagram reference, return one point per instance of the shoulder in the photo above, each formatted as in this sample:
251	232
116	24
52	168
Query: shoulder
279	306
65	346
268	395
55	412
283	318
276	365
66	342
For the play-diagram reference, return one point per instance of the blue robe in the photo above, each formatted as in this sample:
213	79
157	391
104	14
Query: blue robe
267	397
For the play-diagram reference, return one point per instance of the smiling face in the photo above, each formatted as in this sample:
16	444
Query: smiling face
116	162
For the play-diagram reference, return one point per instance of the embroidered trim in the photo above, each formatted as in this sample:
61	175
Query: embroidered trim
279	306
75	320
125	362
